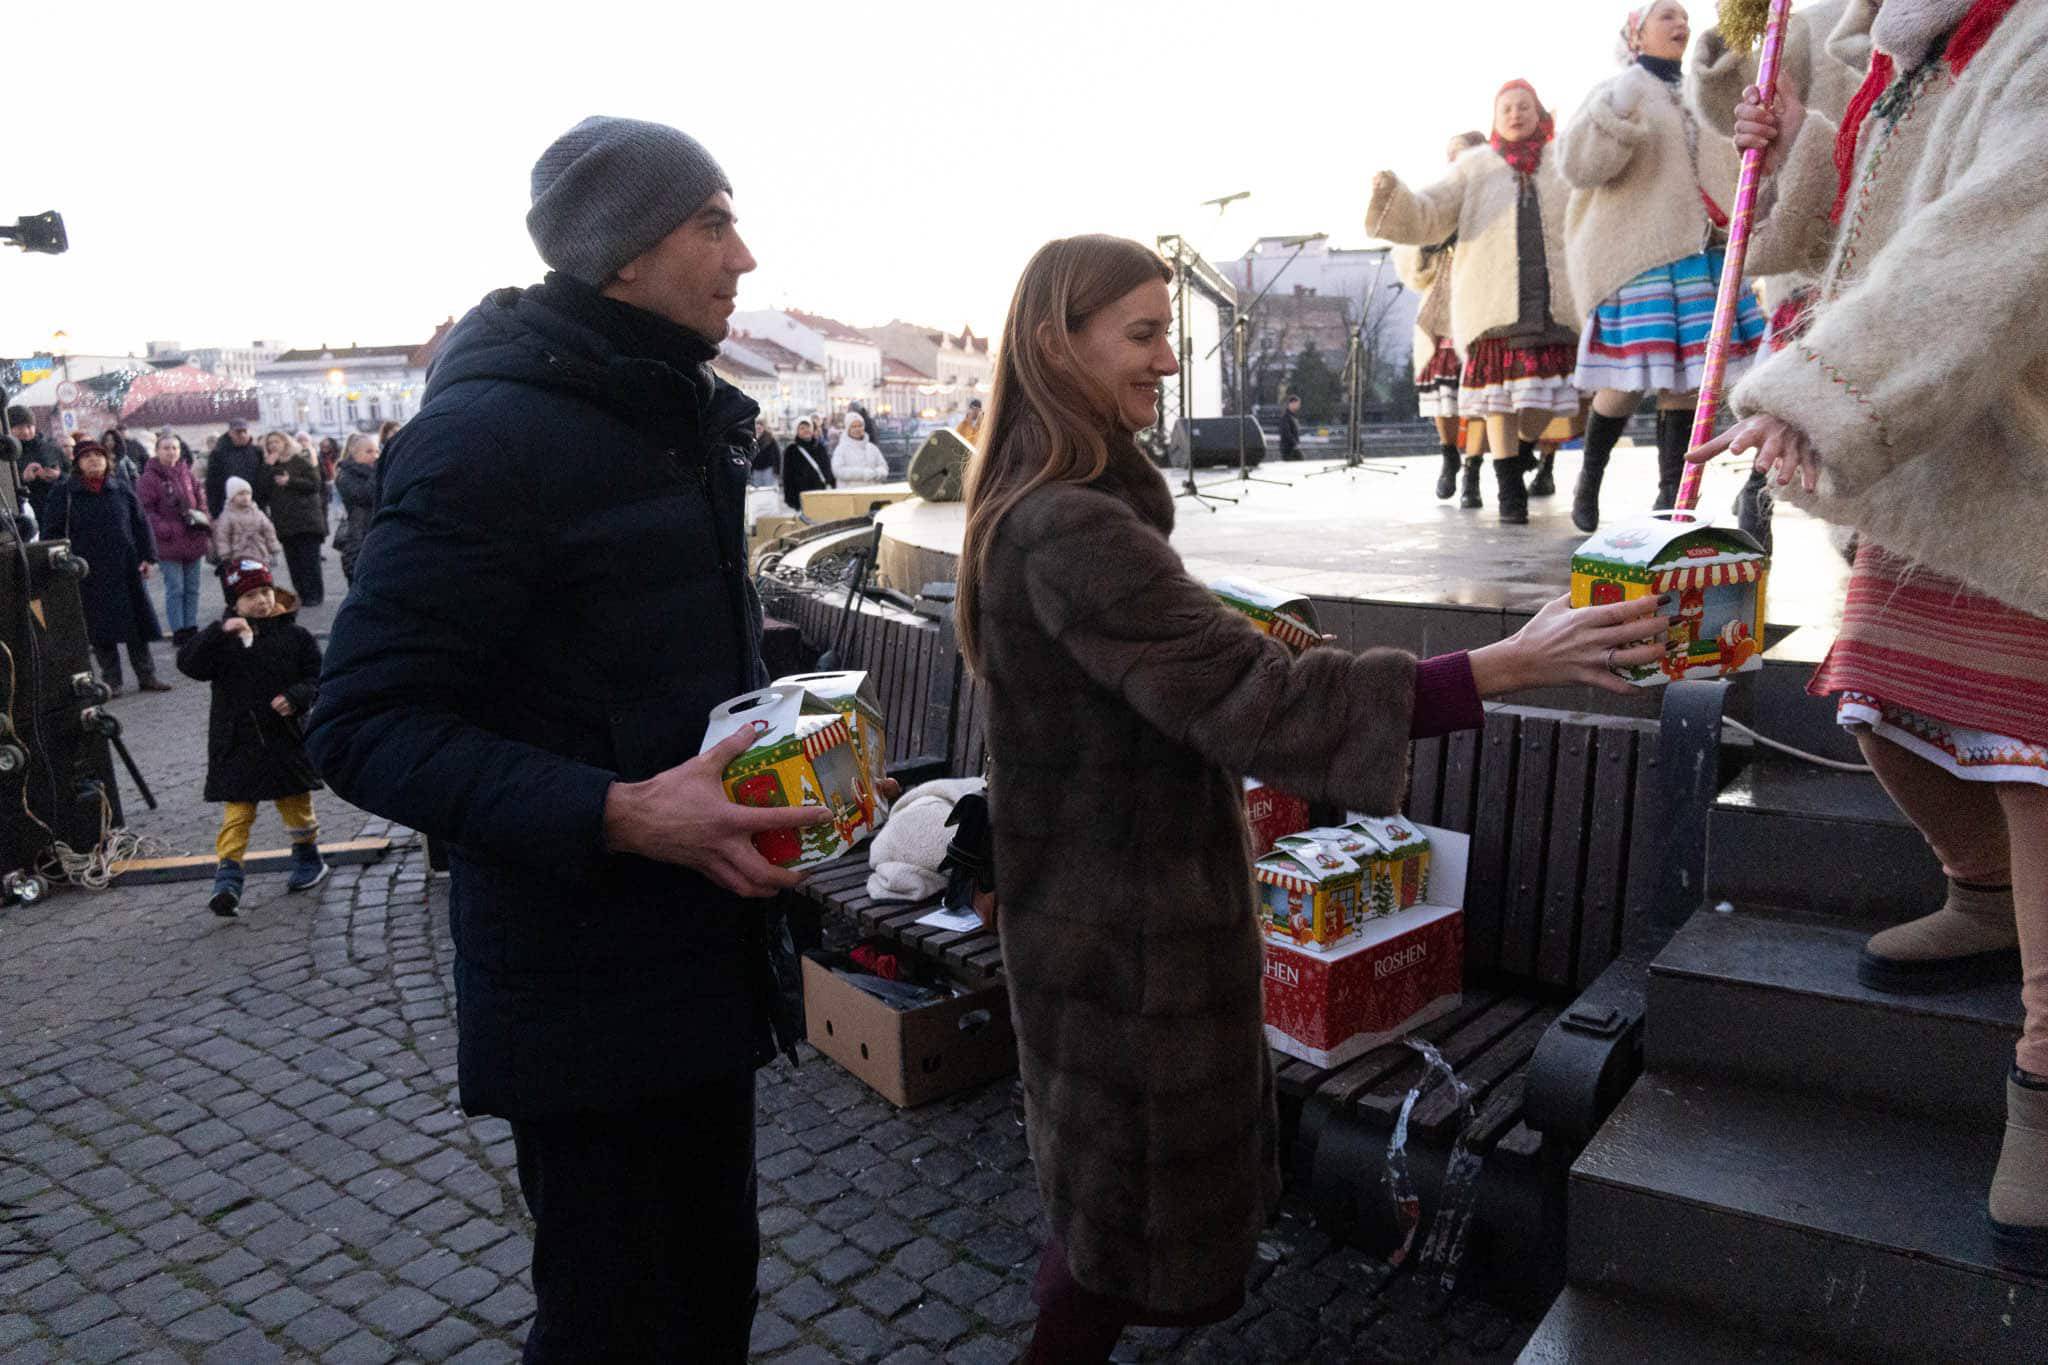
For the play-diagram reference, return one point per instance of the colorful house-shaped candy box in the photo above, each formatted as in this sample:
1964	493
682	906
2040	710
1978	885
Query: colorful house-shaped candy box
852	694
1288	617
1309	892
1397	868
1716	576
803	756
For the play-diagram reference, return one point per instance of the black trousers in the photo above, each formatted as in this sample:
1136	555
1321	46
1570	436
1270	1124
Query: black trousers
109	659
647	1239
302	554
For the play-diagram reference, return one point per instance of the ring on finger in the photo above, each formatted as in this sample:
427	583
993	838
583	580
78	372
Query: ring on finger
1608	662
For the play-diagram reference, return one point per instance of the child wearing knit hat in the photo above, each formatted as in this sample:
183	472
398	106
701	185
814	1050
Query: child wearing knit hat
243	530
265	671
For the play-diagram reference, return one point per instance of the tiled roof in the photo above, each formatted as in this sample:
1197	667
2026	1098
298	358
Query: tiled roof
895	367
734	367
773	352
829	327
347	353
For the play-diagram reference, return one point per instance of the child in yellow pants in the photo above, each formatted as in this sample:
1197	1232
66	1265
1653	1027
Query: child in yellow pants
301	825
265	671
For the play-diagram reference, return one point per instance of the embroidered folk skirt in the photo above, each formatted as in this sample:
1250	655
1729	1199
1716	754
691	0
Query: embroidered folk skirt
1955	677
1503	376
1436	384
1651	335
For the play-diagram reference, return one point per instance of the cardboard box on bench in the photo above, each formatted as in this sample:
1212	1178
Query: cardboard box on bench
1404	970
908	1057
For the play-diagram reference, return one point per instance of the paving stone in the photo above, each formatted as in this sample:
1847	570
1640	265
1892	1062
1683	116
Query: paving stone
401	1311
319	1328
280	1306
887	1293
922	1258
935	1322
512	1303
808	1243
842	1264
965	1284
854	1334
879	1234
771	1333
246	1347
442	1340
465	1286
803	1299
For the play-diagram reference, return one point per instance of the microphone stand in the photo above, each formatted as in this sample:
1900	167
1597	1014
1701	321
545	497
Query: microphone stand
1186	347
1240	324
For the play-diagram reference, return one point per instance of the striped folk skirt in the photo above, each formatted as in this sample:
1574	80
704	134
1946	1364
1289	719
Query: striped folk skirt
1651	335
1955	677
1436	384
1505	376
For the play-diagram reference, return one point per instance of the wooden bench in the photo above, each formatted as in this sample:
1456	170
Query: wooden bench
1567	859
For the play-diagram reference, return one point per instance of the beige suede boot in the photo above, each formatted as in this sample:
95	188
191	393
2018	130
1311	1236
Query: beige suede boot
2019	1191
1970	941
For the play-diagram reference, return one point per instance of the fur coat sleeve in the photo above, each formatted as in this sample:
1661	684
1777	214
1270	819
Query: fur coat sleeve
1329	725
1417	217
1962	277
1600	141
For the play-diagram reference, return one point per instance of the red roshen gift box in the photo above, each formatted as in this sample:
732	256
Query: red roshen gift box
1271	814
1403	971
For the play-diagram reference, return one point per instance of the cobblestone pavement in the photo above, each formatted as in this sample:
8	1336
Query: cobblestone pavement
238	1141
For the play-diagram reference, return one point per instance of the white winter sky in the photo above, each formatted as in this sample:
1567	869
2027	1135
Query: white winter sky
355	172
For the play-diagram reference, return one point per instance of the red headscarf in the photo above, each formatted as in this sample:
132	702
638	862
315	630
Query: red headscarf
1525	156
1963	44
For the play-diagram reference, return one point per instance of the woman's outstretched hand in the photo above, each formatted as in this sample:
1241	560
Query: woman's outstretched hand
1782	451
1562	645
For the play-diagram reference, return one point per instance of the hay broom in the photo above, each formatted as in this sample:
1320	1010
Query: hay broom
1740	22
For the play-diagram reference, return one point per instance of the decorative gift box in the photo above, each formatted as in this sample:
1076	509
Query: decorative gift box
803	756
1397	871
852	694
1271	814
1286	616
1401	971
1717	574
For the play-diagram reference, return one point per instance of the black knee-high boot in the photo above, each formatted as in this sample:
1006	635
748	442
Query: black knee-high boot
1514	496
1471	496
1447	480
1674	435
1602	432
1545	482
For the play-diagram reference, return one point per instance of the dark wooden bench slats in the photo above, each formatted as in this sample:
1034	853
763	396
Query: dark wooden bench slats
1459	1048
1559	864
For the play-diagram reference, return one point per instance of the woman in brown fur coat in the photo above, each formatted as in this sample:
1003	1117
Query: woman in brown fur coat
1125	703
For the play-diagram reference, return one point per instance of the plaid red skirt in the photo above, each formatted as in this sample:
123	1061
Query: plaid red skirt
1929	644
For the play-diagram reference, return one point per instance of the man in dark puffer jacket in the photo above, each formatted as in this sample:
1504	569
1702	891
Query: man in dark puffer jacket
523	668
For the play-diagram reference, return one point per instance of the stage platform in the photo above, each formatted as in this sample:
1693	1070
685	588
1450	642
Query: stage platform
1378	534
1386	563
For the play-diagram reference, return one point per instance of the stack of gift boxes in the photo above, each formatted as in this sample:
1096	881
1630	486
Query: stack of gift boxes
1364	937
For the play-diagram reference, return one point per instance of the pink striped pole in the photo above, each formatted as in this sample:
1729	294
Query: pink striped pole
1727	300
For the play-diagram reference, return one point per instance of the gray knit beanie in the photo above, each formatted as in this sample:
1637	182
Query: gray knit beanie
610	188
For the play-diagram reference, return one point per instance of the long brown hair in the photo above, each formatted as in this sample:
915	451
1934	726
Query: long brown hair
1048	420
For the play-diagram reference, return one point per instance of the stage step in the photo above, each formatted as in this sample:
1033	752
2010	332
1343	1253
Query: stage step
1585	1328
1779	706
1785	832
1772	999
1815	1221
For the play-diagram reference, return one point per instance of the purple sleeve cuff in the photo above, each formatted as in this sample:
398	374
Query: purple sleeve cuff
1446	698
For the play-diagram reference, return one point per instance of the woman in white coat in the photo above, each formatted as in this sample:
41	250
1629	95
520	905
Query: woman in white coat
1511	305
856	460
1645	236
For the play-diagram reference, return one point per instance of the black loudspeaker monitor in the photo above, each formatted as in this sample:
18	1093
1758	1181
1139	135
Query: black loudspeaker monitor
1207	442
